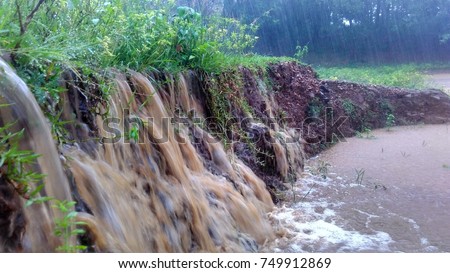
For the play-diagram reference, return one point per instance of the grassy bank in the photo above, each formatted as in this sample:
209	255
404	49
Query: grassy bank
406	75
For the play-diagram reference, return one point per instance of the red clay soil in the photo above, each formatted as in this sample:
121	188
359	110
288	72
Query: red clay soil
304	99
295	87
372	104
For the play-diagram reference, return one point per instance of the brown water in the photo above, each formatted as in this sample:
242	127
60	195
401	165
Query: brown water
159	197
164	197
25	113
401	203
149	196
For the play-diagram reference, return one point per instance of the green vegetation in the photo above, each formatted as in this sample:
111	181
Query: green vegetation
406	76
16	168
66	227
349	107
16	165
349	31
301	52
390	121
45	36
365	133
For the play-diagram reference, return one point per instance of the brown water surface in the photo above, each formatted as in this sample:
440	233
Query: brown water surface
400	203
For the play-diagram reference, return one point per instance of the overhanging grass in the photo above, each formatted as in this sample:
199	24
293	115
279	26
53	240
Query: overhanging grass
251	61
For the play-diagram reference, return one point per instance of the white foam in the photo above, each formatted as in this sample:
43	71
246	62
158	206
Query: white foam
330	235
314	225
312	231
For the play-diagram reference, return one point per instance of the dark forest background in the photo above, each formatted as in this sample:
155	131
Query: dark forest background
355	31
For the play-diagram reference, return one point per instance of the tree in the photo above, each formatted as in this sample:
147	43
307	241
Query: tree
357	30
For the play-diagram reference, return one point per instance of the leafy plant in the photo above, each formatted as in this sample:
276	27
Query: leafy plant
301	52
16	168
231	35
365	133
66	227
16	165
349	107
390	121
134	133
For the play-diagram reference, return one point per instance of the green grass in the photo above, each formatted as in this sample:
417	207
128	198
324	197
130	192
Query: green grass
252	61
406	75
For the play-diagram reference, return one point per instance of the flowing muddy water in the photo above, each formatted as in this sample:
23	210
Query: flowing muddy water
152	195
400	203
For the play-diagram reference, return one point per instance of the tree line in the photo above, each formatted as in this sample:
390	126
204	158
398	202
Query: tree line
351	30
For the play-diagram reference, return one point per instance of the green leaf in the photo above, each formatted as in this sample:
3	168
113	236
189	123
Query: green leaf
72	214
29	203
78	231
37	190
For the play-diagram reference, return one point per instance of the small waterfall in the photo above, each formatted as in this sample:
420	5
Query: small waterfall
24	112
153	192
155	195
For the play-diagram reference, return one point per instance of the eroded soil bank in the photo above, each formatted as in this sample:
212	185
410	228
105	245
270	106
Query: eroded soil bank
235	142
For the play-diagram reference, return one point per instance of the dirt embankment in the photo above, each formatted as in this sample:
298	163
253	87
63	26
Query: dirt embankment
290	97
326	110
268	118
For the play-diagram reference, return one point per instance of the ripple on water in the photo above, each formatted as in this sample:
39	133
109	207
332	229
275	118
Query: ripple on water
392	210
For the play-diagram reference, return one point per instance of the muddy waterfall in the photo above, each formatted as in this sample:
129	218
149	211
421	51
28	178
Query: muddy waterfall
183	163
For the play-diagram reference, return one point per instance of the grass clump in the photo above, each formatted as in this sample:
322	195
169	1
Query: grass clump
251	61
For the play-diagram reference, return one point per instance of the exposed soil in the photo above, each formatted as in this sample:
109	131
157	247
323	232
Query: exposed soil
295	88
313	106
373	103
12	219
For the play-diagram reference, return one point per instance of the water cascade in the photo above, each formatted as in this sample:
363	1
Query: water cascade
148	193
151	169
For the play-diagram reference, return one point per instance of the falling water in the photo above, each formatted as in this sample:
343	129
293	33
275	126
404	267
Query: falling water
152	194
157	196
24	112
